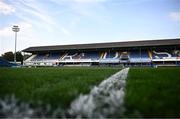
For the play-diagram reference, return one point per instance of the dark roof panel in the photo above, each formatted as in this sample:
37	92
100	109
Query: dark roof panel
146	43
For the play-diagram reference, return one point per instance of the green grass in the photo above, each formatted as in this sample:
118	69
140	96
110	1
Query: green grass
55	86
153	92
150	92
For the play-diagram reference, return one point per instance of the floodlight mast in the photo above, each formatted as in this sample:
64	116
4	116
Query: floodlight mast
15	29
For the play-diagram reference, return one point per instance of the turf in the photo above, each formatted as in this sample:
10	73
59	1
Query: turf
153	92
55	86
150	92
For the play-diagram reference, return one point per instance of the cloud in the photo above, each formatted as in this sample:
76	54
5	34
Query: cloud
4	32
37	14
65	31
26	36
6	9
79	9
78	1
33	10
7	31
89	1
175	16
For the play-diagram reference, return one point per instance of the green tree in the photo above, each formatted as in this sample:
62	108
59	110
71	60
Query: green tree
19	57
10	56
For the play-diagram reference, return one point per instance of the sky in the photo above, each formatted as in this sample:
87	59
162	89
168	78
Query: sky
60	22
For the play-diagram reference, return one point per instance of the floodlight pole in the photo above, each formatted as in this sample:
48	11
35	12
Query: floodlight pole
15	29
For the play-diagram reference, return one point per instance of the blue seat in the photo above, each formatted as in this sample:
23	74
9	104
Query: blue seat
5	63
138	57
111	55
91	55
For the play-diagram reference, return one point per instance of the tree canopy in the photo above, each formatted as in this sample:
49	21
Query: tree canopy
10	56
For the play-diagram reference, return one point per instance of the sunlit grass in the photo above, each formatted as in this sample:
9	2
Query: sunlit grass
55	86
150	92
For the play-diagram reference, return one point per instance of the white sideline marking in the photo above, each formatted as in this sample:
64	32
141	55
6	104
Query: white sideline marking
104	99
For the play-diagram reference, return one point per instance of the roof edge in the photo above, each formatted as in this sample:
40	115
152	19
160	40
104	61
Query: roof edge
90	45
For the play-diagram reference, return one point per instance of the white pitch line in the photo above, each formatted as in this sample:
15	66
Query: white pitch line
104	99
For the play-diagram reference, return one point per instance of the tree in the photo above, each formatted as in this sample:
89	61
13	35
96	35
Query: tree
10	56
19	57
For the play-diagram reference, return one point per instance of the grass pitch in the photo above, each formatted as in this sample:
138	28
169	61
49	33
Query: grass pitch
55	86
153	92
150	92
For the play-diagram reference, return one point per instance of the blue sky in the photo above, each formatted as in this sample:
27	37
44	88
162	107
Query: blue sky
57	22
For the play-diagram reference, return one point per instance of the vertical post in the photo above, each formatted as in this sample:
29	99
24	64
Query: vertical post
176	57
23	58
15	47
141	56
15	29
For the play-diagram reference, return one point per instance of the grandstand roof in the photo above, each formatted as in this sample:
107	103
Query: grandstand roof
128	44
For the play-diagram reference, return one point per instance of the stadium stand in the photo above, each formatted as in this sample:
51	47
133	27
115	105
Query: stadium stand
91	55
5	63
132	53
54	56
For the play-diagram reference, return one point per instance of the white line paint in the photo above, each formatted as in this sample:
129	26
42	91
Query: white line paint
104	99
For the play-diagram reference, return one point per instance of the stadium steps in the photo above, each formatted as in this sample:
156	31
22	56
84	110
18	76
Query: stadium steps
116	55
150	54
63	56
101	56
162	53
30	58
105	54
